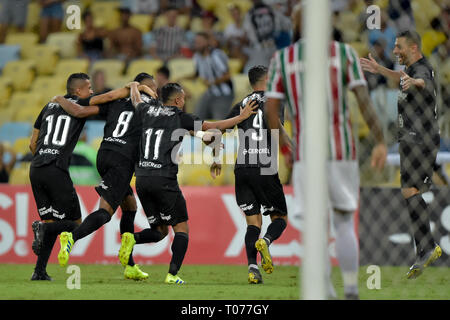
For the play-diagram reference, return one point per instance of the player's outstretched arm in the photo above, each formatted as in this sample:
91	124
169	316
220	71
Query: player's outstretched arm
74	109
119	94
33	140
379	152
372	66
134	94
222	125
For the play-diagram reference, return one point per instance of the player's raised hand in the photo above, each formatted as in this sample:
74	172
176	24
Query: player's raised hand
215	170
378	157
249	109
406	81
147	90
370	65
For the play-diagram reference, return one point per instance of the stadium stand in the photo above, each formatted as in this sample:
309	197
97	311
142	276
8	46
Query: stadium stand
21	73
45	58
66	42
26	40
11	131
8	53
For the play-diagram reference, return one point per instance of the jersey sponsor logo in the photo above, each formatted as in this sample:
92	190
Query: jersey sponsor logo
265	209
44	211
160	111
111	139
57	215
151	219
150	164
256	151
48	151
246	207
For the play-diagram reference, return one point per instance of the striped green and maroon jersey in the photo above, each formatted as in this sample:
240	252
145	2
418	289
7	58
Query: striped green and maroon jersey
286	81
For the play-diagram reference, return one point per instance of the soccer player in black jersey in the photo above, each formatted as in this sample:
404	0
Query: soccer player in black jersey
163	128
54	137
115	164
257	185
418	136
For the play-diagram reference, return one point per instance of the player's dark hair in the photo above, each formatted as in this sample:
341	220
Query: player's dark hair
165	71
143	75
72	81
256	73
411	36
169	90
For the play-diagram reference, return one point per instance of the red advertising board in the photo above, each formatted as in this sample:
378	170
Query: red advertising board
216	236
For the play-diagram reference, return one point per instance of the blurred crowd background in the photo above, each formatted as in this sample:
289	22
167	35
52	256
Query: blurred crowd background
207	46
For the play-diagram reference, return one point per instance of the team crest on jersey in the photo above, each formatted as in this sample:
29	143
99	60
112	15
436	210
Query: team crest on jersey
254	96
160	111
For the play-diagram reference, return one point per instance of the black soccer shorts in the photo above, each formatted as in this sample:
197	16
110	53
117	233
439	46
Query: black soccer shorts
416	164
162	200
54	193
256	193
116	171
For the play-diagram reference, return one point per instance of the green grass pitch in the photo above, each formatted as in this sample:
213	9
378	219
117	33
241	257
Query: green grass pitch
208	282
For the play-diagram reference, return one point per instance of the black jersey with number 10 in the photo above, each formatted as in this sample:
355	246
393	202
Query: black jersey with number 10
58	134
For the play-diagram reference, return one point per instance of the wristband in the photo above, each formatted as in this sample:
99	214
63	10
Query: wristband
285	150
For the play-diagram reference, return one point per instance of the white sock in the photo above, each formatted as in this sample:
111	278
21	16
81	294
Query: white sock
347	251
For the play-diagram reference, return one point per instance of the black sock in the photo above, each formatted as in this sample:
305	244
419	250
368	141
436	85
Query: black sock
46	250
127	225
179	248
93	222
418	212
275	229
147	235
59	226
251	236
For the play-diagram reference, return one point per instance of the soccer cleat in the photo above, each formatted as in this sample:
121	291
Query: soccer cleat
66	242
126	247
40	276
254	276
38	230
173	279
134	273
266	259
421	263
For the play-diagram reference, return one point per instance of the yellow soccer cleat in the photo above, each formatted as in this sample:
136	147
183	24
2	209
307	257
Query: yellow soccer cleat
171	279
254	276
134	273
266	259
421	263
126	247
66	242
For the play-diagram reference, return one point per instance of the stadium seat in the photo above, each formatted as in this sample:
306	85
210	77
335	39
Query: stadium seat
196	25
21	73
105	14
66	67
94	129
183	21
6	89
180	67
33	16
23	100
8	53
241	86
66	42
142	21
28	114
143	65
7	115
49	86
195	88
20	175
235	66
21	146
112	68
26	40
11	131
45	57
118	82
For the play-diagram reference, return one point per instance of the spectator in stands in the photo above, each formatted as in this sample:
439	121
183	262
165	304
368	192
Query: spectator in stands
12	13
183	6
99	82
209	21
401	14
52	15
260	27
386	34
162	77
169	39
126	41
234	34
433	37
211	65
90	41
6	168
